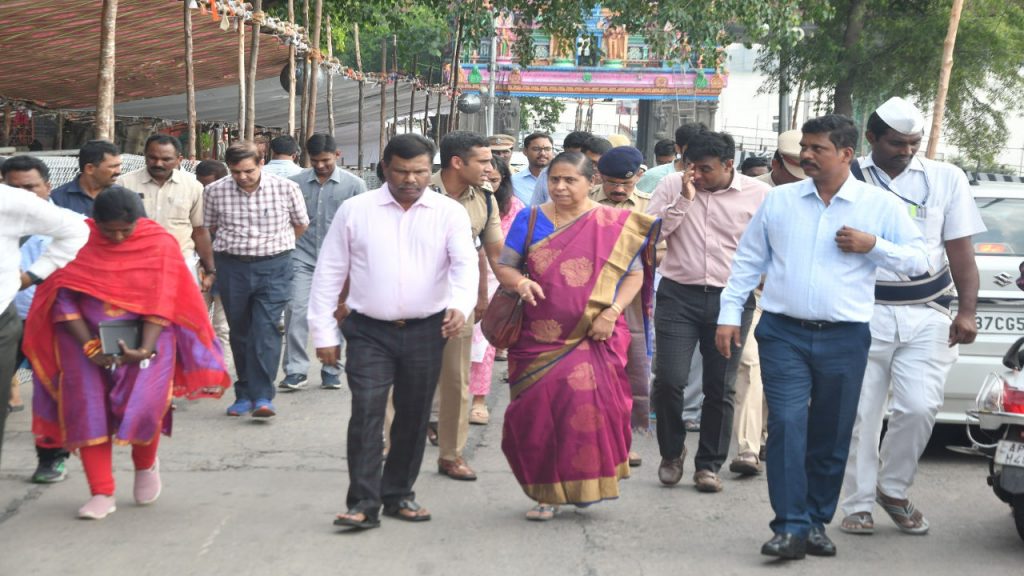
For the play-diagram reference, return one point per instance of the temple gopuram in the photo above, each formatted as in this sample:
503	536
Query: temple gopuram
603	63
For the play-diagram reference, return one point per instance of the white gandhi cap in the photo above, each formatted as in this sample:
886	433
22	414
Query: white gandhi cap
901	116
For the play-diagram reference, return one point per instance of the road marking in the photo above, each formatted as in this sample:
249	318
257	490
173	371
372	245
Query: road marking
213	536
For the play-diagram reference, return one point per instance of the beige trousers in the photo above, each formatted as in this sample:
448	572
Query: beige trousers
451	399
751	417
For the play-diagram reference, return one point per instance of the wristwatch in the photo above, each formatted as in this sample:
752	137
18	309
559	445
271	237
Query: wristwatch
36	280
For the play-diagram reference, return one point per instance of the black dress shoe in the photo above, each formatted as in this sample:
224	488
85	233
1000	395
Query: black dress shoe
786	546
818	544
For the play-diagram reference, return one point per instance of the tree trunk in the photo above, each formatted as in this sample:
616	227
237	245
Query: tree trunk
254	55
190	85
330	80
843	98
304	109
394	95
241	81
359	65
314	72
105	87
947	68
291	69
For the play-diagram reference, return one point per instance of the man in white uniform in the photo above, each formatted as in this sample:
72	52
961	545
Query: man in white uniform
913	344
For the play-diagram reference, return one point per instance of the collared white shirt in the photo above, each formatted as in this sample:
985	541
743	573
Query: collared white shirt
792	240
177	205
400	264
951	213
22	213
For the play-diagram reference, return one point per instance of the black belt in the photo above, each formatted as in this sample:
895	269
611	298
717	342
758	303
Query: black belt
399	323
702	288
251	259
812	324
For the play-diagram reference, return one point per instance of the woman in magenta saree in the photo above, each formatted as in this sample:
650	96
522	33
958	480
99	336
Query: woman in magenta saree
567	429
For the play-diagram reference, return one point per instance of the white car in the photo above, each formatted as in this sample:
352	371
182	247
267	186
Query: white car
1000	316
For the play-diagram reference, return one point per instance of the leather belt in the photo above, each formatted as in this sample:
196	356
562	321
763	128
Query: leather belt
404	323
251	259
812	324
703	288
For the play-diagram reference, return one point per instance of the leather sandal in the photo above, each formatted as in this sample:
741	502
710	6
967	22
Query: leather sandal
456	469
432	433
349	520
408	510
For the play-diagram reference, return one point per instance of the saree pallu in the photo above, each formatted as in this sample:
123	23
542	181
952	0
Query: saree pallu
567	429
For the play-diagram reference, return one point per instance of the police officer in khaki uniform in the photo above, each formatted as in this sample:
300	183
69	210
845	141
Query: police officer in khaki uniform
465	166
501	147
619	169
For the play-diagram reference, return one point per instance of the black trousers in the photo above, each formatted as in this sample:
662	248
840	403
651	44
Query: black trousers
381	355
10	338
685	317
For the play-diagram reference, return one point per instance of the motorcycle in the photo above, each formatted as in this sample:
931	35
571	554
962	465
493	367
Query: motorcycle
1000	415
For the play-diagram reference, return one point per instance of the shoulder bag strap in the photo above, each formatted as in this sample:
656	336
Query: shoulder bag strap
529	238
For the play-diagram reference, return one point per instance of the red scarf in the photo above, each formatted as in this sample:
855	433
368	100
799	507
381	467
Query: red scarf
145	274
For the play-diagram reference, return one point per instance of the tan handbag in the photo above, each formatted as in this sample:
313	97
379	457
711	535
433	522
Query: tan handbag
504	316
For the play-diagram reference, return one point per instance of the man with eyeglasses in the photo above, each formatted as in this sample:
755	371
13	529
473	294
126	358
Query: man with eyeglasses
620	170
539	149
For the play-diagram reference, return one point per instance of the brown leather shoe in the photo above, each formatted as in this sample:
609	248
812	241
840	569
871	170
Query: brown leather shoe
456	469
707	481
671	470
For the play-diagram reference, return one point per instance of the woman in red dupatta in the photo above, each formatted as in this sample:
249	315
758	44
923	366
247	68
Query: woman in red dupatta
131	269
567	429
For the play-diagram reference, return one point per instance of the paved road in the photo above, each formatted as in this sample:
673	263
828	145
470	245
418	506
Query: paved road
244	497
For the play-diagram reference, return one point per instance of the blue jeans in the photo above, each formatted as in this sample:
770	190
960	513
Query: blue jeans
812	379
296	359
254	296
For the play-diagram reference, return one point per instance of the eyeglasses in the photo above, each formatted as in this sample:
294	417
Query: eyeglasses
537	150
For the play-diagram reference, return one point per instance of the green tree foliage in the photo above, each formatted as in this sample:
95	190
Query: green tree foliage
898	52
539	113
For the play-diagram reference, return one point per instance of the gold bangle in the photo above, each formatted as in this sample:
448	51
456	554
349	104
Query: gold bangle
615	306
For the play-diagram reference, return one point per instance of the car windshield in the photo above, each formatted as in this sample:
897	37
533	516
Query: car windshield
1004	218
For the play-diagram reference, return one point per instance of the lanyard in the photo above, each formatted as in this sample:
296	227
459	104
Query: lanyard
917	210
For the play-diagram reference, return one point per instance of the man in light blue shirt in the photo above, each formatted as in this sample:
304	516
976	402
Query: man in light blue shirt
282	160
818	243
324	187
539	150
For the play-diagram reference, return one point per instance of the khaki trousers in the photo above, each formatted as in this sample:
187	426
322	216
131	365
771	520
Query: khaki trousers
751	411
451	400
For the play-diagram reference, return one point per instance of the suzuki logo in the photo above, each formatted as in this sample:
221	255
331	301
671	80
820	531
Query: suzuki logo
1003	279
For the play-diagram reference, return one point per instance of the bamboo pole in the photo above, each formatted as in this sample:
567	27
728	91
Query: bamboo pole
59	145
412	97
947	68
190	85
303	137
254	55
314	72
394	96
241	81
426	104
437	124
105	88
359	65
383	94
330	80
456	55
291	70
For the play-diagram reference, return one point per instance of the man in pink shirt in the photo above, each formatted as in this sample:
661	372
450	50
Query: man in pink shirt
399	270
704	211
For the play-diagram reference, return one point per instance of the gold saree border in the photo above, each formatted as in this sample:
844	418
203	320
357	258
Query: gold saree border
634	237
579	491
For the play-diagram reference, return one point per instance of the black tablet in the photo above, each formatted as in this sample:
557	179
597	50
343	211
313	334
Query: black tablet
113	330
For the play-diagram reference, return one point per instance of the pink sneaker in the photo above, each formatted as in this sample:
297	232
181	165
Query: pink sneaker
147	485
97	508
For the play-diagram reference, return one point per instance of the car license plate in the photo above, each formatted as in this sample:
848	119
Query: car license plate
999	322
1010	453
